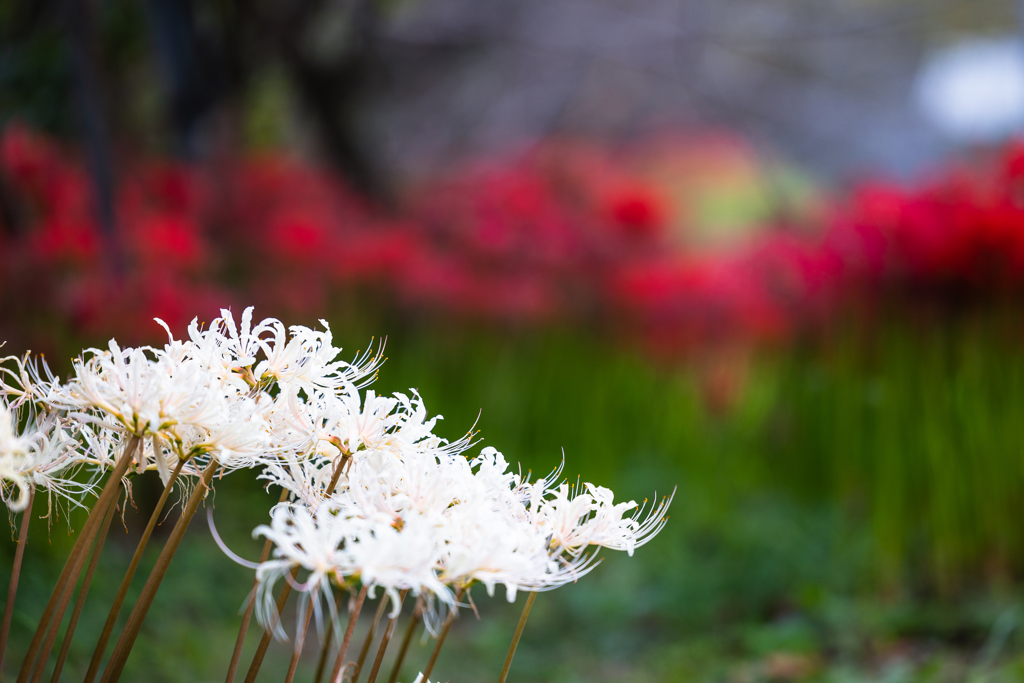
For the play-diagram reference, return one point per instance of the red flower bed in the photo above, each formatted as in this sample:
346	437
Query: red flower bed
566	232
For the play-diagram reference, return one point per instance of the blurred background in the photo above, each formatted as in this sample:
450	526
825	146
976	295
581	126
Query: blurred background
768	251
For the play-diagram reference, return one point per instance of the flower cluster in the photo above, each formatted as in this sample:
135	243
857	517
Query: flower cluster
690	242
372	497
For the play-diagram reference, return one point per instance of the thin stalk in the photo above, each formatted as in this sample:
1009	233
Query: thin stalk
261	649
131	631
12	587
440	638
122	591
300	639
339	662
76	612
414	621
386	639
515	639
236	656
324	649
369	639
72	566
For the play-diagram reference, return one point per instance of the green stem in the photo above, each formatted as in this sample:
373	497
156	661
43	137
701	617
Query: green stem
131	631
440	638
72	566
386	639
515	639
122	591
414	621
339	662
12	587
76	612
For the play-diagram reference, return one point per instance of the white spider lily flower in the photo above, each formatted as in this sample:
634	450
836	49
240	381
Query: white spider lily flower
308	358
30	381
609	528
35	458
400	555
575	521
266	353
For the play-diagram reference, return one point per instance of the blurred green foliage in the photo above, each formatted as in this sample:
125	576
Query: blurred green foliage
849	516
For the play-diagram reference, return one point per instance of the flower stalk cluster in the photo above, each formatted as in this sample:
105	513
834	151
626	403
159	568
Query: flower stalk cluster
373	501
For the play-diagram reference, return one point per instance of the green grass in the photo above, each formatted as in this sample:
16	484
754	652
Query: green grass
851	516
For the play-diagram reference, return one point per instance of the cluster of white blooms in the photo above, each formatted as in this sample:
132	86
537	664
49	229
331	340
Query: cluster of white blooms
376	499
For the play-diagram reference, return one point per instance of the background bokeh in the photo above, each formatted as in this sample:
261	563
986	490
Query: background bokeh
770	252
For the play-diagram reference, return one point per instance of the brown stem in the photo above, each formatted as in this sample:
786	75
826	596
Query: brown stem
386	639
12	587
72	566
414	621
131	630
369	640
440	638
515	639
79	602
236	656
261	649
122	591
338	469
339	662
321	663
300	639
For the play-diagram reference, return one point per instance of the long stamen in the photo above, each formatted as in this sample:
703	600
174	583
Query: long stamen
236	656
72	565
368	642
349	630
131	631
79	602
440	638
414	621
122	591
12	587
386	639
515	639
